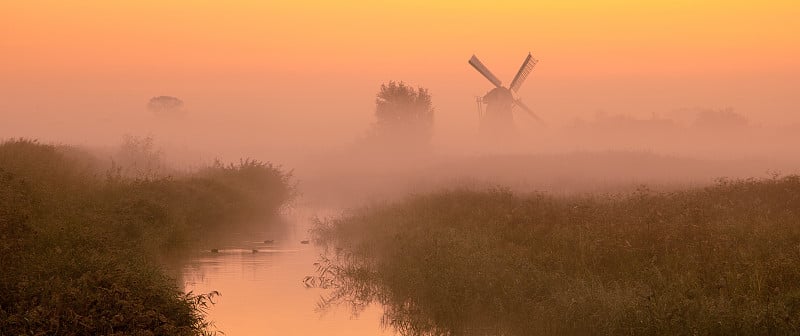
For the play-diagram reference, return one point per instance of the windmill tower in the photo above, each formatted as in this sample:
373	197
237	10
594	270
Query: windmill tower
500	101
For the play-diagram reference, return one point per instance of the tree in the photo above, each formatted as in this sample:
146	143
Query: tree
404	115
166	106
720	119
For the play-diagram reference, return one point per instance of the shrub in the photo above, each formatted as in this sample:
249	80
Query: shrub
78	249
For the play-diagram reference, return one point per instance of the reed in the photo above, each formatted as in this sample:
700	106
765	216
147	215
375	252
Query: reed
723	259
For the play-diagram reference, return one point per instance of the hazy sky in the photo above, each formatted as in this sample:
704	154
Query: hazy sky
85	69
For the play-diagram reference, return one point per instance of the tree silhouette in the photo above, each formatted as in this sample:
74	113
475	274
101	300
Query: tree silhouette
404	115
720	119
165	106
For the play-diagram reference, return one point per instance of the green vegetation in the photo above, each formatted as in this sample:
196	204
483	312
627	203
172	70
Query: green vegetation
719	260
78	243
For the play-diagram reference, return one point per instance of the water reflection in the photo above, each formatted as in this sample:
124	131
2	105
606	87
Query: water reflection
355	284
262	292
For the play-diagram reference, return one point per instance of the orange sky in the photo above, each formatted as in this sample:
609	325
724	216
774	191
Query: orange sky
683	36
320	61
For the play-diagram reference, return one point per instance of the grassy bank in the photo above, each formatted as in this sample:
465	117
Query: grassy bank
719	260
78	239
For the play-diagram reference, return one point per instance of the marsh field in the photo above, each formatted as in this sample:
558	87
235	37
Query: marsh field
116	241
716	260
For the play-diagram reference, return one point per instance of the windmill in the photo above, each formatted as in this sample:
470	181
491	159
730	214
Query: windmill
501	100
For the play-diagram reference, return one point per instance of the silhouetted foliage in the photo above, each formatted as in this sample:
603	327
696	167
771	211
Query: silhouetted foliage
404	115
77	250
720	119
138	157
165	106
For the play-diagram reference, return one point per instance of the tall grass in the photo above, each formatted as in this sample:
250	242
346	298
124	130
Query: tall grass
78	242
719	260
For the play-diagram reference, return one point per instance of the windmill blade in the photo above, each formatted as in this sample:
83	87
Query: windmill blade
475	63
522	105
524	71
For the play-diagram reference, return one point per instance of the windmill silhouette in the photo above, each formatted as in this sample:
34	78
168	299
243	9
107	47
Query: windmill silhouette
501	101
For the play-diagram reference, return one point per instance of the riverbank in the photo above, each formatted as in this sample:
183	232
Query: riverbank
723	259
80	238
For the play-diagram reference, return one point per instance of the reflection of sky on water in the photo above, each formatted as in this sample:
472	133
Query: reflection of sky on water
263	293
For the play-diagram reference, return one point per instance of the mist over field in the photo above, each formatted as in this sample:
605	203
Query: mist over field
600	152
703	142
429	168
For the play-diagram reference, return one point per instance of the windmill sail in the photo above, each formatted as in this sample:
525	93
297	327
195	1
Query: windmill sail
524	71
522	105
484	71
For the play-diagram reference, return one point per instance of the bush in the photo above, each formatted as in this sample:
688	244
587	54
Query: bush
78	249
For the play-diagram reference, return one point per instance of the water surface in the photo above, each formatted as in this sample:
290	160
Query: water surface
263	292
